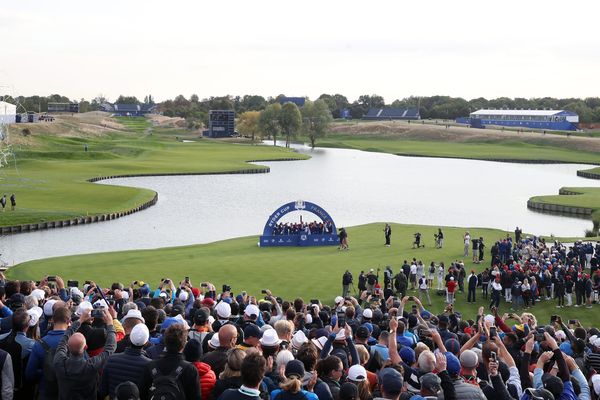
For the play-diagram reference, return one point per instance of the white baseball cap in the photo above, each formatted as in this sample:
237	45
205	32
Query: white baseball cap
139	334
368	313
183	295
357	373
48	307
101	304
39	294
223	310
251	310
214	341
35	313
81	308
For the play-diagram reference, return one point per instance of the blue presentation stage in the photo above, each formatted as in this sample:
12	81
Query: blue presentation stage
269	237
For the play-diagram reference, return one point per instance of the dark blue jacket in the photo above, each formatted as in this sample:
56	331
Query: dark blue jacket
127	366
154	352
35	366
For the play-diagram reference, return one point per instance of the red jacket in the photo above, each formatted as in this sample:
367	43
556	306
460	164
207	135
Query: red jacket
451	285
207	378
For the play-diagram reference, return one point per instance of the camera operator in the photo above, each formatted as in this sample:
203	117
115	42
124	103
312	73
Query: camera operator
417	242
346	282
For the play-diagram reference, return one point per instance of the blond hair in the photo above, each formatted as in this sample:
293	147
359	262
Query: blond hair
363	354
233	367
284	328
292	385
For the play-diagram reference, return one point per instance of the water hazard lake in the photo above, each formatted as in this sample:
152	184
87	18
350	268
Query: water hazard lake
355	187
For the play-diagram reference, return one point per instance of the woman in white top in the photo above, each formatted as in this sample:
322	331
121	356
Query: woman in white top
467	240
420	270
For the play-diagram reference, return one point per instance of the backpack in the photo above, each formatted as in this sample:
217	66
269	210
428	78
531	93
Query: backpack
432	269
50	380
12	347
166	387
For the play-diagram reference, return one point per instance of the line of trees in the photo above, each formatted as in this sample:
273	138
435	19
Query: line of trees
195	110
436	107
289	120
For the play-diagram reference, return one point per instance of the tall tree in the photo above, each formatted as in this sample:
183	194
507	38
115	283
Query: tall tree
249	124
127	100
269	121
316	117
290	120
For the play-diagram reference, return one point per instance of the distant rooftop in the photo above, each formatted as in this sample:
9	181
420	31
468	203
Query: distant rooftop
534	113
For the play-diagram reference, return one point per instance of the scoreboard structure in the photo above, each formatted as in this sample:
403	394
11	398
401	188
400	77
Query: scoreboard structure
221	123
63	107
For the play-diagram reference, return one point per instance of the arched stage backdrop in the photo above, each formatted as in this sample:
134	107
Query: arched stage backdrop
269	239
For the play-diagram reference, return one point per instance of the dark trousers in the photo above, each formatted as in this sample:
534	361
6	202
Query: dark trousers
579	296
495	299
471	295
484	289
387	239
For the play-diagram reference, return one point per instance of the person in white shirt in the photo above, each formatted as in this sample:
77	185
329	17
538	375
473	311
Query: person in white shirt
424	289
467	240
440	278
413	275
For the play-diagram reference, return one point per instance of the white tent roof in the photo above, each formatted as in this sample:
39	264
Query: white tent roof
536	113
7	108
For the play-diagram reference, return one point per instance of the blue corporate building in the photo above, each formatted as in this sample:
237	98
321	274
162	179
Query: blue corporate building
560	120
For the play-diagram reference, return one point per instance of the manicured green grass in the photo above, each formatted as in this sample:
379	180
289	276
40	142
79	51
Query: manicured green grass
135	124
50	177
586	197
313	272
493	150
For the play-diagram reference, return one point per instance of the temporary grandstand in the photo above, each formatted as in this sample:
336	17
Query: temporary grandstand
129	110
386	114
536	119
55	108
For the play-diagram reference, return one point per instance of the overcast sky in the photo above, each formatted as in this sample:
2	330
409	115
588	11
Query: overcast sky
213	48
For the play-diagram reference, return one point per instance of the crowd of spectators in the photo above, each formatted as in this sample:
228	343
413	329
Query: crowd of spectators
180	341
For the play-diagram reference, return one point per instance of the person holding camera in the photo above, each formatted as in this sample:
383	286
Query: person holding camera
77	375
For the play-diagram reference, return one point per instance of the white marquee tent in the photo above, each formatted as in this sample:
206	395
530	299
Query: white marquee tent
8	113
